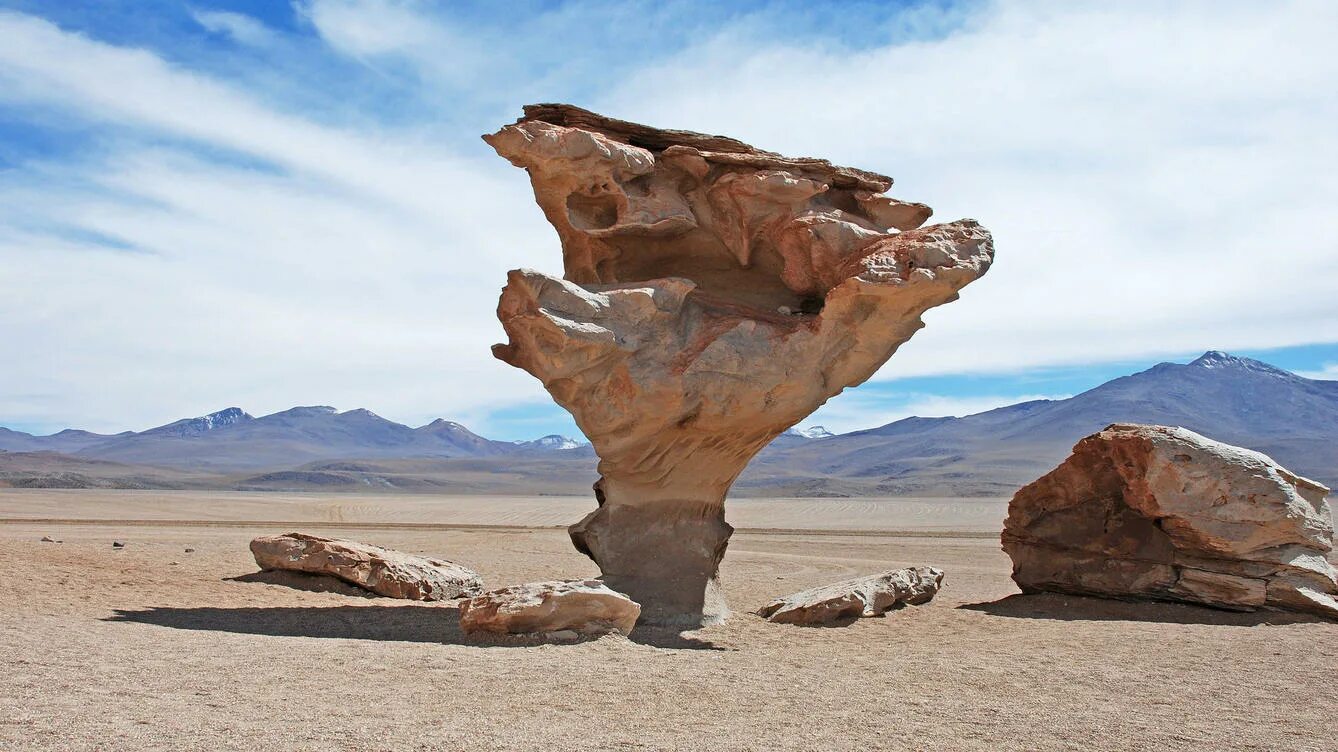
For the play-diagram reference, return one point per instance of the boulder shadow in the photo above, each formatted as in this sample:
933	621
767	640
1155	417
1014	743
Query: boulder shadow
408	623
670	639
1060	607
412	622
313	583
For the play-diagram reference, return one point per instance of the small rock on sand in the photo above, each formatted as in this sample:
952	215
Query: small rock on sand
393	574
865	596
559	610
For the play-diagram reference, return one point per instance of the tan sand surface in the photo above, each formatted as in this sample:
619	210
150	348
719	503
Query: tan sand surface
153	648
925	515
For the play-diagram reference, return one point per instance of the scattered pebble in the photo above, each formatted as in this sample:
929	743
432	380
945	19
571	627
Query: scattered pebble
47	539
118	544
190	550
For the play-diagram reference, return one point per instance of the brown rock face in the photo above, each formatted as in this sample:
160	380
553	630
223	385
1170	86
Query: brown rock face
1164	513
714	295
393	574
874	595
584	607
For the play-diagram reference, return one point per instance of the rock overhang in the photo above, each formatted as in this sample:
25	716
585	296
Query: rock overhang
633	203
714	294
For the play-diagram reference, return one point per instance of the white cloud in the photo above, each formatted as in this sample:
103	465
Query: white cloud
1158	177
1159	181
240	27
386	31
355	269
1329	372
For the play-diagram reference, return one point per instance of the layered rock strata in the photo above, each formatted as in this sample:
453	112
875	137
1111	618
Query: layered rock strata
393	574
714	295
1166	514
874	595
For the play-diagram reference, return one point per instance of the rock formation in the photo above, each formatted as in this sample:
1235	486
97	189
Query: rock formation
714	295
1164	513
582	607
874	595
393	574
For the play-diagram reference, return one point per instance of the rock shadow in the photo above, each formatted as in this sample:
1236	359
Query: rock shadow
1062	607
669	638
314	583
408	623
412	622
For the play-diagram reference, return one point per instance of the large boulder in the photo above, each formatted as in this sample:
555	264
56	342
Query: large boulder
393	574
865	596
583	607
1164	513
714	294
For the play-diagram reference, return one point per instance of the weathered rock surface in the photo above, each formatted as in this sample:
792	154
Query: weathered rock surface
874	595
1164	513
393	574
714	295
557	608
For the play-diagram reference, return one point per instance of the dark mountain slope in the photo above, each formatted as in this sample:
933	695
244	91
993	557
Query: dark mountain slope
1231	399
1237	400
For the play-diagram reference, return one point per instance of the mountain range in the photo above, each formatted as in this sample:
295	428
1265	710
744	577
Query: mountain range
1233	399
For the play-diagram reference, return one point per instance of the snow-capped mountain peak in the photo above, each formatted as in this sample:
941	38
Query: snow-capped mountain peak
205	423
551	442
814	432
1218	360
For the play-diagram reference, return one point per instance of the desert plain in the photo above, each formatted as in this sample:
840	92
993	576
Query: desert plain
176	642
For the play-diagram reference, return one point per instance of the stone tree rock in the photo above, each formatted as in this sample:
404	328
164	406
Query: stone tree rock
714	295
584	607
874	595
393	574
1164	513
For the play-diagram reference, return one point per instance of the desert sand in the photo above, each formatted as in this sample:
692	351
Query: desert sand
150	647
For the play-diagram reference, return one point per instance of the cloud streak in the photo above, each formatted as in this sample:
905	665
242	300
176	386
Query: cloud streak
1159	181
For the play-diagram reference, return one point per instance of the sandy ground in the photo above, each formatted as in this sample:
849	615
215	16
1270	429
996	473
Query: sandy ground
915	515
151	647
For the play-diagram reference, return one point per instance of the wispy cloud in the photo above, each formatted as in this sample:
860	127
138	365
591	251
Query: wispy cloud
1328	372
240	27
264	227
1156	176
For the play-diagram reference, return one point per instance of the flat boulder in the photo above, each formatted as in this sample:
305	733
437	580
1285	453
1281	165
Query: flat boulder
1166	514
393	574
558	608
874	595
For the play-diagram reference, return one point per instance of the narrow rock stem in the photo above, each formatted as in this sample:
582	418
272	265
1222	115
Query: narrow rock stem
663	552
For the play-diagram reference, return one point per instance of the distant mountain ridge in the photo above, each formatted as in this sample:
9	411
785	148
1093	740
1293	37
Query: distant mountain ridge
1237	400
233	440
1228	398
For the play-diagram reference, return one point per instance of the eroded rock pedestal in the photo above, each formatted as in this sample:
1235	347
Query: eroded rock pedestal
1164	513
714	295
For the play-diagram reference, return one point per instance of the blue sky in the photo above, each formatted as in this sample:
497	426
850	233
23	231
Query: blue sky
266	203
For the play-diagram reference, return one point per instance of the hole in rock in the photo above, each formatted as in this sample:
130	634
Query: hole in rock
700	256
586	212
